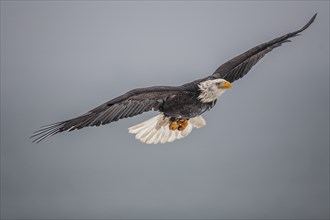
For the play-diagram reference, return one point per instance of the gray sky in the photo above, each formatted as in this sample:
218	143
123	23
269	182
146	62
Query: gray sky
263	154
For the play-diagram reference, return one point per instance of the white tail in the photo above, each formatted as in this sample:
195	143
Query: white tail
156	129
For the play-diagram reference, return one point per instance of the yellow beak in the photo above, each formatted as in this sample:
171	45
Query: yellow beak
226	85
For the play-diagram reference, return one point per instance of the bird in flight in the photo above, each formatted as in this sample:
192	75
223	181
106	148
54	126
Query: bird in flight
180	107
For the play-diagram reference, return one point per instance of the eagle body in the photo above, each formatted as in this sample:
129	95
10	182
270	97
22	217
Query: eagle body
185	105
180	107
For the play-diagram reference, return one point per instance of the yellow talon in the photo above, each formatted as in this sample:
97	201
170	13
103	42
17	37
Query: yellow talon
183	124
174	125
180	125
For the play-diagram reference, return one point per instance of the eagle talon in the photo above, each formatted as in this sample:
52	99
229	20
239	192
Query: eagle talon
178	125
183	124
174	125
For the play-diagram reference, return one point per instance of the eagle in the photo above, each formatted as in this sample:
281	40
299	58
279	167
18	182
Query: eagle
180	107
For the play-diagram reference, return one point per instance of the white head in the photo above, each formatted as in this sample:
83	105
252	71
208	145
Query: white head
212	89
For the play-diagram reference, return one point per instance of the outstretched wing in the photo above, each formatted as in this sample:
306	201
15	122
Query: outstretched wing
237	67
132	103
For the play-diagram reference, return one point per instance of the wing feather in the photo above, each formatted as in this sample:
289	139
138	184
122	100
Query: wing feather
132	103
237	67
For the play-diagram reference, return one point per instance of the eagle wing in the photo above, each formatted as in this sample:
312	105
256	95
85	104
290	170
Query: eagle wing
237	67
132	103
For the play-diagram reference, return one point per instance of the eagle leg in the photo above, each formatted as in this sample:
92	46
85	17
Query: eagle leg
180	124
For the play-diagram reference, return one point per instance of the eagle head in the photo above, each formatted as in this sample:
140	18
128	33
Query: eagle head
210	90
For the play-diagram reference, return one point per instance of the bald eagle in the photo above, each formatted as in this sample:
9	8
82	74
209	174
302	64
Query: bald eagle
180	107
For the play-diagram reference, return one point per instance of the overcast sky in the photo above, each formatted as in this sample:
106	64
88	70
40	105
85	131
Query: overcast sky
263	154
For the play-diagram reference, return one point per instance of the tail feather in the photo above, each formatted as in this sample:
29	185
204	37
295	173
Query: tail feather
156	130
139	127
165	135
